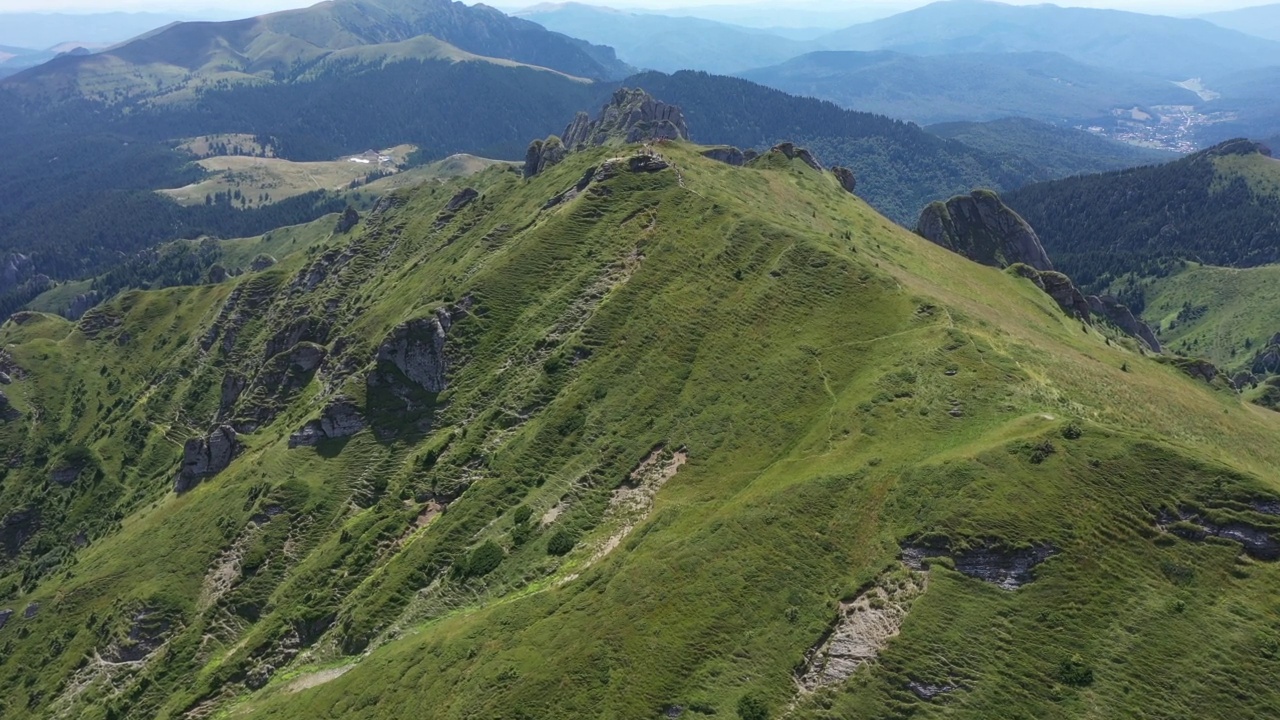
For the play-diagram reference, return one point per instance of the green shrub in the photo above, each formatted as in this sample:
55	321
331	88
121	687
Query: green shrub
1075	671
483	560
522	515
751	707
1072	432
560	543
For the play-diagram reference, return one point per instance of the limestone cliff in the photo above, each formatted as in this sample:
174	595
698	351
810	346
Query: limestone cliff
982	228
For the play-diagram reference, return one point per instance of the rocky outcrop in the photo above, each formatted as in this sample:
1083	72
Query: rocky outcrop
982	228
1197	369
543	154
416	349
15	270
461	199
791	152
81	304
66	475
17	528
147	632
261	262
1007	568
1267	360
7	410
204	457
847	179
1088	307
5	614
643	162
340	419
1119	314
630	116
1191	525
727	155
348	220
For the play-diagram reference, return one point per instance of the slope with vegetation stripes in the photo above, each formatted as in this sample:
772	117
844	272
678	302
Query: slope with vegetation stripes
1220	206
638	433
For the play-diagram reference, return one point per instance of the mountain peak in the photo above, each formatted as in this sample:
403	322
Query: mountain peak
632	115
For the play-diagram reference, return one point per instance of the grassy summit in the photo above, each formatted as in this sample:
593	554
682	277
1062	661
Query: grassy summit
692	417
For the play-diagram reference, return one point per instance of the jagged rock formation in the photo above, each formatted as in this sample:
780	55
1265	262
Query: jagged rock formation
727	155
17	528
15	269
1008	569
1267	360
204	457
847	179
543	154
1077	304
82	304
791	152
348	220
340	419
1191	525
630	116
982	228
461	199
413	359
262	262
1119	314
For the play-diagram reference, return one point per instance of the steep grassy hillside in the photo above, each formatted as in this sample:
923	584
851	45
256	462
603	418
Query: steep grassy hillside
1223	314
627	439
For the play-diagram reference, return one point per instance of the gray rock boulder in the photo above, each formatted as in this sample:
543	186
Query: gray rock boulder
727	155
630	116
982	228
1119	314
340	419
847	179
543	154
791	152
204	457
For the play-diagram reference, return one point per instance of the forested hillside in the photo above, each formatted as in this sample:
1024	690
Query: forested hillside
1218	207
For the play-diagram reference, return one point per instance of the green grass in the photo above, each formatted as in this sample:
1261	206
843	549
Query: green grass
1222	314
808	354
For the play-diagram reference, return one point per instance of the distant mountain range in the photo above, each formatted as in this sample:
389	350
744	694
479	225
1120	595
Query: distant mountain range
181	60
973	86
665	43
45	30
1166	47
1262	20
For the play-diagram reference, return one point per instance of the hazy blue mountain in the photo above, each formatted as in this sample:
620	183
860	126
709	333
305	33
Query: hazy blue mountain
977	86
661	42
1062	151
44	30
1262	20
1171	48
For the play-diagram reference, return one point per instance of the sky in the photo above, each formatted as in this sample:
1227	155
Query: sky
233	8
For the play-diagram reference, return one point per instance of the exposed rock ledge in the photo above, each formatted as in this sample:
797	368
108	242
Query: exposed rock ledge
204	457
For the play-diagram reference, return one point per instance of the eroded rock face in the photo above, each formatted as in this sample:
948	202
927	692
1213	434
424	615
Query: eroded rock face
81	304
982	228
791	152
262	262
1119	314
861	632
205	457
1086	308
340	419
727	155
147	632
65	476
1006	568
5	614
630	116
17	528
543	154
15	269
847	179
347	221
1255	541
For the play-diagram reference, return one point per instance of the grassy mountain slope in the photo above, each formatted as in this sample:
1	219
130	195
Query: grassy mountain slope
1261	21
1220	207
1166	47
1223	314
1061	151
667	44
975	86
723	396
